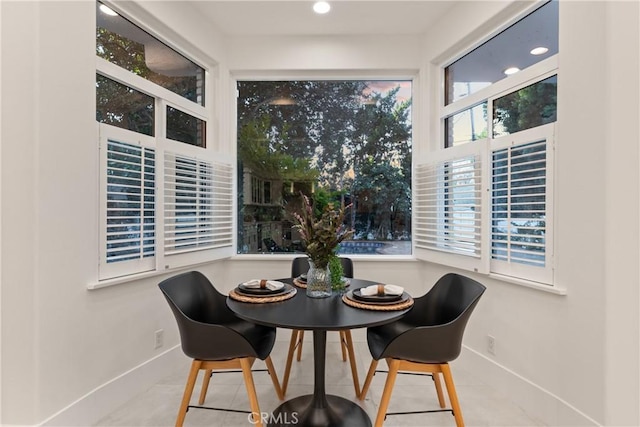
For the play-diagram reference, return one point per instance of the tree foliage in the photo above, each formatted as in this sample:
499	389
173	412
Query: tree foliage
356	140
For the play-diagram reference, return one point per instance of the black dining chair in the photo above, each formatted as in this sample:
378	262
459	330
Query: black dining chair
425	340
299	266
216	338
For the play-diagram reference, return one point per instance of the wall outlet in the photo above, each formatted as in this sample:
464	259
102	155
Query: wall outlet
491	345
159	335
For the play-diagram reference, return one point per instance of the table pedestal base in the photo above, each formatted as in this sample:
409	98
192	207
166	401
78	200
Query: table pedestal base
301	411
319	409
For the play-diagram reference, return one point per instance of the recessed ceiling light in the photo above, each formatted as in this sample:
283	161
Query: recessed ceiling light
108	11
539	50
321	7
511	70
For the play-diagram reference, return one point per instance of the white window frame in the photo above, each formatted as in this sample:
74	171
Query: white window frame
410	75
541	277
220	241
107	134
543	274
431	242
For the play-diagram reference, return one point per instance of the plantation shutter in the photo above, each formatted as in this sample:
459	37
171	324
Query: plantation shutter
520	202
198	206
128	198
448	207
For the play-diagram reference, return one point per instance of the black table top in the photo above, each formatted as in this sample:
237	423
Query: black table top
302	312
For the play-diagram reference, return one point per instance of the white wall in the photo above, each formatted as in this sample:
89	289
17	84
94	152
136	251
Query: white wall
63	345
314	53
60	341
560	356
622	327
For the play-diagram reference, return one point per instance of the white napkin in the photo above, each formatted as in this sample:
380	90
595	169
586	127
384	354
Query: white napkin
388	290
270	284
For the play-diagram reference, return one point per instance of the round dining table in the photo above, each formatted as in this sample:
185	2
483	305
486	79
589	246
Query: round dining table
318	315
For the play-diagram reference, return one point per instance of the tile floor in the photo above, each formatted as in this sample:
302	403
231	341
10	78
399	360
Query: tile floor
481	404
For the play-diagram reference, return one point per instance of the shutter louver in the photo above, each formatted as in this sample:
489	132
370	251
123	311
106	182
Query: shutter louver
518	204
130	198
448	206
198	204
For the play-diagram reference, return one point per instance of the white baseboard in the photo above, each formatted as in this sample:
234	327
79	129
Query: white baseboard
540	403
536	401
104	399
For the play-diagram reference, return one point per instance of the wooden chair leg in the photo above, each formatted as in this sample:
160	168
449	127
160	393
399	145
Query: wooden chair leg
245	363
453	396
205	386
436	381
343	345
367	380
287	367
352	360
274	377
299	344
188	390
386	394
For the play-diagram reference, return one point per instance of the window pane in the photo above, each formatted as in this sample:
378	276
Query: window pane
526	108
449	194
466	126
189	209
125	44
342	141
514	47
130	202
518	209
119	105
185	128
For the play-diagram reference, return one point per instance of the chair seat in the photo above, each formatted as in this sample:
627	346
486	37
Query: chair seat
379	337
261	338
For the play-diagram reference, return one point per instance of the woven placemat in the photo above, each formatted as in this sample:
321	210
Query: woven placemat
387	307
299	284
260	300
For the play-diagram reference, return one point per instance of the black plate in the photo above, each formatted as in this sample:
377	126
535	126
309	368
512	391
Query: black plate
260	291
302	278
357	296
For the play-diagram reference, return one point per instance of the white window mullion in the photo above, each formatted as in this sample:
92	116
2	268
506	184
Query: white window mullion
160	131
127	78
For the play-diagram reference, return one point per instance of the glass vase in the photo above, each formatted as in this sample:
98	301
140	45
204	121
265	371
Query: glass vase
318	281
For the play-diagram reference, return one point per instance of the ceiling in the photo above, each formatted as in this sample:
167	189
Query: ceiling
347	17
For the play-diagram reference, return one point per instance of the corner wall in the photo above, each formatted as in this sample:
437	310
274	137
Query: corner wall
559	356
60	342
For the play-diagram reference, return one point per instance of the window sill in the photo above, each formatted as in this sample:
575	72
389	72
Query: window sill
251	257
291	256
529	284
137	277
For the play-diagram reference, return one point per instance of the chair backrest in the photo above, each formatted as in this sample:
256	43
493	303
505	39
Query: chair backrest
432	331
300	265
347	267
203	318
447	300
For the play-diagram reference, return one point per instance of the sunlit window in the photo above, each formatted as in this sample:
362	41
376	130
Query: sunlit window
342	141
